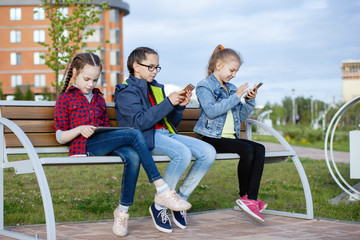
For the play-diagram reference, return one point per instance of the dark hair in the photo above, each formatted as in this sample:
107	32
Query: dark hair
221	53
79	62
138	55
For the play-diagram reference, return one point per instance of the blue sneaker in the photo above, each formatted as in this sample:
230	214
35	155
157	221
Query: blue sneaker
179	218
161	219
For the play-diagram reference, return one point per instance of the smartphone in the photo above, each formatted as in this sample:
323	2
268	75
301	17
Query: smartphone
189	87
256	87
259	85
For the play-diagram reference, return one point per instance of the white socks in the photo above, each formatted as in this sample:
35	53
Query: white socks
159	207
123	208
162	188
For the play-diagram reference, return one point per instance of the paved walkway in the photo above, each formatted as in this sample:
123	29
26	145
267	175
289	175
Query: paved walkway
223	224
312	153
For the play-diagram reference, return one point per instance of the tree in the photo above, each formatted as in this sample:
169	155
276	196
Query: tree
67	31
18	94
1	91
28	94
47	96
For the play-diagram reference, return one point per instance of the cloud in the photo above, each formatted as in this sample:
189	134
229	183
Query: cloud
285	44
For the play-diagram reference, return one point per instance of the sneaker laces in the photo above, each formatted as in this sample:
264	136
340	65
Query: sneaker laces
183	214
121	220
175	196
164	216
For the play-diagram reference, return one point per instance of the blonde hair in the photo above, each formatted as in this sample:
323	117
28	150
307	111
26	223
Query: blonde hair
223	54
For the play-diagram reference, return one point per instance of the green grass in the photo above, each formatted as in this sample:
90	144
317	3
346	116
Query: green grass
83	193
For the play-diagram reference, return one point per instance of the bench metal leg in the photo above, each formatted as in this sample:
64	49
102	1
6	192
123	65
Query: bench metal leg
309	204
41	178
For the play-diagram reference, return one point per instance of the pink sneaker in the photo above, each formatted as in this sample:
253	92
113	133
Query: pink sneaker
262	205
251	208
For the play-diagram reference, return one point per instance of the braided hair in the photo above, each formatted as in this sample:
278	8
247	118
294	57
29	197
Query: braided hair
79	62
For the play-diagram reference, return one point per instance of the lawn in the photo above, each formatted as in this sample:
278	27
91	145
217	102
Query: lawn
84	193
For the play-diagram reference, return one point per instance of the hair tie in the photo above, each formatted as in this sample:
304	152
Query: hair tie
222	48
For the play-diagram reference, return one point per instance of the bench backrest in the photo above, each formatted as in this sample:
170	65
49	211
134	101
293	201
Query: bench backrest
36	119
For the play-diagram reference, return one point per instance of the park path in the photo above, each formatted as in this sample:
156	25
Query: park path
311	153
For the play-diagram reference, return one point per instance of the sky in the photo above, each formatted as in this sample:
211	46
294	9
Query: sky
294	47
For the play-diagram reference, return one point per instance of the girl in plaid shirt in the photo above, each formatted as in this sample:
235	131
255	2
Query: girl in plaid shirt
79	110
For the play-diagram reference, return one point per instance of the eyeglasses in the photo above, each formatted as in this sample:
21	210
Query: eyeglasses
151	68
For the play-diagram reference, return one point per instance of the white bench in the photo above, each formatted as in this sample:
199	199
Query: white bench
26	127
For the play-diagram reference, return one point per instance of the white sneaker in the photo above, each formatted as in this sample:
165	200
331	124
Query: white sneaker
120	225
170	199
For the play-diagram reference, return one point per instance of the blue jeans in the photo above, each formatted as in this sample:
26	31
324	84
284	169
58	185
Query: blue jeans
180	149
130	145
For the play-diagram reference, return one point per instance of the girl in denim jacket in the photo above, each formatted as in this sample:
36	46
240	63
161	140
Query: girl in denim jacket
223	109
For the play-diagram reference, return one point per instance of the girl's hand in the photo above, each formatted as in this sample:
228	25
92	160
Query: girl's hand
242	89
86	130
251	94
187	99
177	97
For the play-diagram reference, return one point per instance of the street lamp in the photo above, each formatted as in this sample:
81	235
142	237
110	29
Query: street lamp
293	106
311	110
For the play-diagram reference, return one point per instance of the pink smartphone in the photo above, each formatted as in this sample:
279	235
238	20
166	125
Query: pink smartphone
189	87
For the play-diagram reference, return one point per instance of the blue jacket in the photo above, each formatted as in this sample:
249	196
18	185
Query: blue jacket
215	102
133	108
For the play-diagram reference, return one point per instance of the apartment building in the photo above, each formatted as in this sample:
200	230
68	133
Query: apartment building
23	25
350	79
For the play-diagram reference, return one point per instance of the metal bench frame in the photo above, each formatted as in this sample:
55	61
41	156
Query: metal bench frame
35	165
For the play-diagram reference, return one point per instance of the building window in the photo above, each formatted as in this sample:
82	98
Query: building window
114	78
15	14
15	36
37	58
102	79
98	34
115	58
39	80
114	35
15	58
60	78
39	14
39	35
114	15
16	80
64	11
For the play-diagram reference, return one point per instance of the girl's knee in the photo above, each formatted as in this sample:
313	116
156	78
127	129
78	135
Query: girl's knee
183	155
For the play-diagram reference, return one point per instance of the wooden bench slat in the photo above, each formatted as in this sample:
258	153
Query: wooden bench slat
192	113
13	112
38	140
34	126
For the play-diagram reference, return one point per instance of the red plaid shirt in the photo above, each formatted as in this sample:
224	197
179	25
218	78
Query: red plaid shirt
72	109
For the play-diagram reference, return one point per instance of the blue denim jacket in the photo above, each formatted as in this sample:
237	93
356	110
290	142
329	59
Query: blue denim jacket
215	102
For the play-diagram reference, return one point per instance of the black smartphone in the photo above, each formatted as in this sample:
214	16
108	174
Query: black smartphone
259	85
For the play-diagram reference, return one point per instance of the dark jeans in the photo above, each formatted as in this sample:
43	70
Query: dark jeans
251	164
130	145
